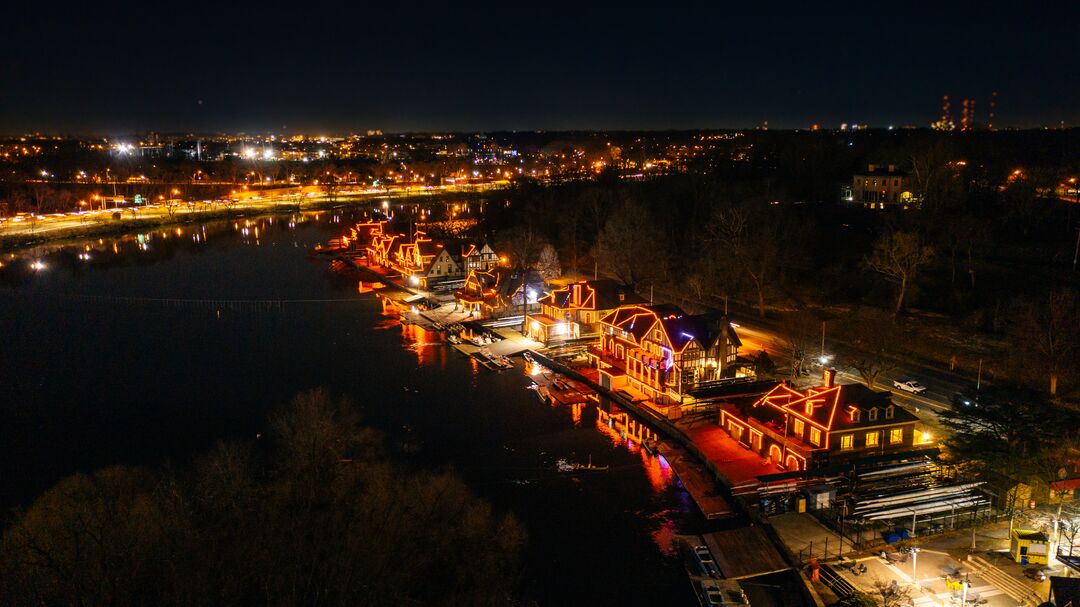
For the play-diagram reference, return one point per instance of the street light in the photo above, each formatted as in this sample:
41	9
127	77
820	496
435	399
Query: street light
914	562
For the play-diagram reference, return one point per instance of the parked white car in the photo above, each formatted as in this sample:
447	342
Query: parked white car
909	385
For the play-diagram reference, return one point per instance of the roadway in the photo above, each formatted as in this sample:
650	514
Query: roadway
88	221
940	384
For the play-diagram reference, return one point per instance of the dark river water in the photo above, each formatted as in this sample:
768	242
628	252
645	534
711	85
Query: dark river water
101	364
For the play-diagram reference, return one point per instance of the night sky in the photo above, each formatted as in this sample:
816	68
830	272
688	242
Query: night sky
405	66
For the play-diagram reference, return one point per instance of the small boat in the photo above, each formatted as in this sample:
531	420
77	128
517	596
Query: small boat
543	395
649	445
454	339
565	466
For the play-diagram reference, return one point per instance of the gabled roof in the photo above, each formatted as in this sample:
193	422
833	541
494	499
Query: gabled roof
1065	591
830	407
705	329
429	247
601	294
821	403
610	294
511	280
680	328
635	320
778	397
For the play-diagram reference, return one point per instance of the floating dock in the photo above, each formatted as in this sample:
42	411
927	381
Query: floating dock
559	390
696	481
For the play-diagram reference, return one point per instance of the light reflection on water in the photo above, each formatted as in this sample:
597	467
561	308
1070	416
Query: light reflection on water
483	424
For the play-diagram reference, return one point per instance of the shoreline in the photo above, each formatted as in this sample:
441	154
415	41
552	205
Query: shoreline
100	226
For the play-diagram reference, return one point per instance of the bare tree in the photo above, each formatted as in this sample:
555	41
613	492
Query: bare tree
801	338
892	594
754	243
330	184
898	257
570	220
172	205
1046	335
631	246
548	263
523	245
875	345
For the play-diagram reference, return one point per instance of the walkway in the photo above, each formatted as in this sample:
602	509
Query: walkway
736	463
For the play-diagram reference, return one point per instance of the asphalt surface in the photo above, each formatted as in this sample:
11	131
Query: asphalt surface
940	384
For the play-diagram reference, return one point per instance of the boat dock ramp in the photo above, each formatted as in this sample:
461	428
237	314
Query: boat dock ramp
696	480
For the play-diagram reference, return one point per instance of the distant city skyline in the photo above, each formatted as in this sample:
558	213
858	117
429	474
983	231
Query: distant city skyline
150	67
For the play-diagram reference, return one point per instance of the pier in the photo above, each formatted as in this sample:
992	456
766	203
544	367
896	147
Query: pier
695	480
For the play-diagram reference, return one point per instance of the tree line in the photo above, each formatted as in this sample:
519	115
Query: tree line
990	250
312	514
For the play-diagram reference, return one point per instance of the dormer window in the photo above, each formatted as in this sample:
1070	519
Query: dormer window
873	414
890	411
855	414
809	408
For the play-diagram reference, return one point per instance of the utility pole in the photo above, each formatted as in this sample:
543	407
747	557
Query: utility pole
823	342
1076	251
978	378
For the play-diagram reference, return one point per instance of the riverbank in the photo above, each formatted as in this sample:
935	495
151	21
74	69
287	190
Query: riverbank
65	228
140	382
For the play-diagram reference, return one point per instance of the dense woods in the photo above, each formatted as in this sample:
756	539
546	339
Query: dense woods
311	514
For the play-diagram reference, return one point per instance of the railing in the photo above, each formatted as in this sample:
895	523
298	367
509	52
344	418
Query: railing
831	548
1016	589
835	582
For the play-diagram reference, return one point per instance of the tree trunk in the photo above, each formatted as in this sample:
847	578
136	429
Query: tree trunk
1053	384
971	267
952	266
902	292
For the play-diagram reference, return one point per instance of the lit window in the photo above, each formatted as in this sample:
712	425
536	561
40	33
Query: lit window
872	439
847	441
815	436
896	435
798	428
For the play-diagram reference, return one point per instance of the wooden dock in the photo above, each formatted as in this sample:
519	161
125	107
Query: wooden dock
744	552
696	481
560	390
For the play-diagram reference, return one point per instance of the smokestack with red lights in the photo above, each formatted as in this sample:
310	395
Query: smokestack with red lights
829	376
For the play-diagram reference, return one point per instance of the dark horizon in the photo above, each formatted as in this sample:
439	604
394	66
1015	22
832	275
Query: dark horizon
138	68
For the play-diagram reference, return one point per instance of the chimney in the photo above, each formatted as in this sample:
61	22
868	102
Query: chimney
829	376
622	296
